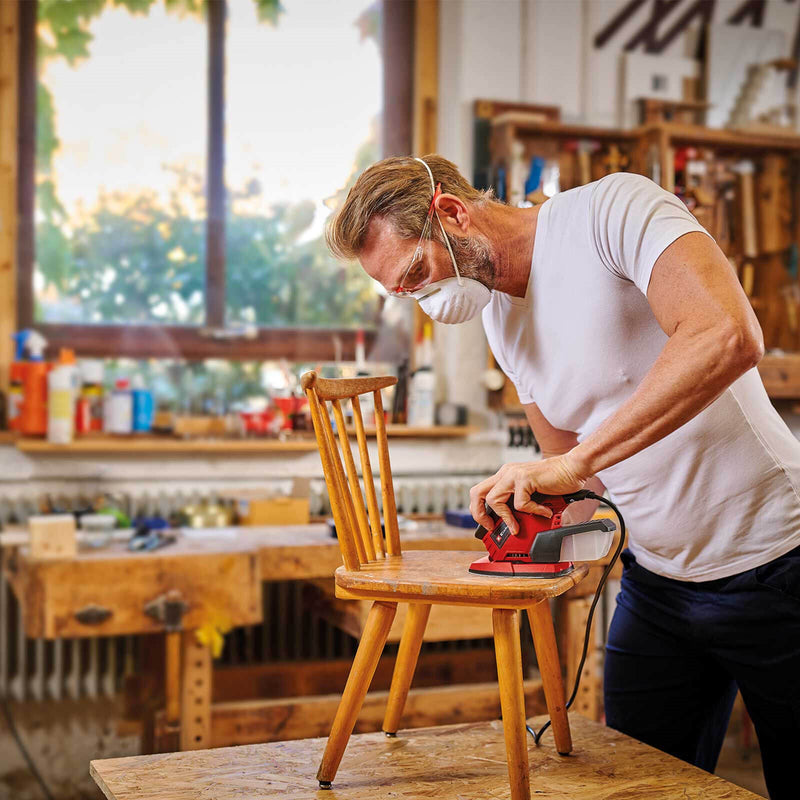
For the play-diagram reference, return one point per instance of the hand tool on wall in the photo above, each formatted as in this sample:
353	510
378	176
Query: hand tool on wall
747	210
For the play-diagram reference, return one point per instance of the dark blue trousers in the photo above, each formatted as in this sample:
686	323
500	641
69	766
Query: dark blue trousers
677	652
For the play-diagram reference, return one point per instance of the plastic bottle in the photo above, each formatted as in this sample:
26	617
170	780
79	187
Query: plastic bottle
421	402
143	406
15	395
89	406
119	408
61	390
32	418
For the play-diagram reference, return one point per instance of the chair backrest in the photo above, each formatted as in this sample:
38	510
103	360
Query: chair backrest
357	526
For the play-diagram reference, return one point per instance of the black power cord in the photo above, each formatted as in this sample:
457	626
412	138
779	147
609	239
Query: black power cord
537	735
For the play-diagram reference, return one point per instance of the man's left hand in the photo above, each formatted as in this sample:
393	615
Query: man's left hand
558	475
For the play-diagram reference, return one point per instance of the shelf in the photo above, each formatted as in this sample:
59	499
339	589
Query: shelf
677	133
164	444
546	128
699	135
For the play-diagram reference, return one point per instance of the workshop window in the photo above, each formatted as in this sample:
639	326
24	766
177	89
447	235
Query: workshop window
179	168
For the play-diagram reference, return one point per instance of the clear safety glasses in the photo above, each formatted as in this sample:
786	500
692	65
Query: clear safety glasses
418	273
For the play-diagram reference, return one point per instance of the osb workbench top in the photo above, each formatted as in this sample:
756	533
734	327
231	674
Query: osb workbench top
452	761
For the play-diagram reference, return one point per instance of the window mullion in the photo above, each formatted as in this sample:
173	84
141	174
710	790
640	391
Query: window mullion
215	167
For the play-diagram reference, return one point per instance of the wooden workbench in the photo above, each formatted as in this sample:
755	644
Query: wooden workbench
218	574
450	761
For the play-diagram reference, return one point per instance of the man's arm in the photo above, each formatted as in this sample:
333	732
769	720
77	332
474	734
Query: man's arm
714	338
552	442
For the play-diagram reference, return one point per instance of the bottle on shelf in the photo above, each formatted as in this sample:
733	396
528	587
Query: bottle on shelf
143	406
31	370
421	403
61	392
89	406
119	408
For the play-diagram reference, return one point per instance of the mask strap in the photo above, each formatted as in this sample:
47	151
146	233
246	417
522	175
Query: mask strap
444	234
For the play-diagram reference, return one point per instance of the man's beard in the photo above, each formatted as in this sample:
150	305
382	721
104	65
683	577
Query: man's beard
474	258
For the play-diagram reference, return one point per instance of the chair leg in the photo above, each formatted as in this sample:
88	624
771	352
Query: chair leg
406	663
512	699
544	641
376	630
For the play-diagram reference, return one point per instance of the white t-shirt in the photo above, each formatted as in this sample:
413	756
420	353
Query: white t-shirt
717	496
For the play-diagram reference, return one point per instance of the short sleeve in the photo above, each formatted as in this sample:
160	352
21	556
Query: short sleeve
633	220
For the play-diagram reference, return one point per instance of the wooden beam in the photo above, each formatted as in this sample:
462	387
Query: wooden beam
282	679
215	222
426	75
9	85
425	102
397	34
26	161
282	719
176	341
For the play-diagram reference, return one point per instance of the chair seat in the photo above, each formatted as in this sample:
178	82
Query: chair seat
443	576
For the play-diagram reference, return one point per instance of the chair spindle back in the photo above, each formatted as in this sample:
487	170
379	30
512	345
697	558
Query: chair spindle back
358	524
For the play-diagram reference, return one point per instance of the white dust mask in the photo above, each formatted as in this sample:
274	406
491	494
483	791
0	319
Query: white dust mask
453	300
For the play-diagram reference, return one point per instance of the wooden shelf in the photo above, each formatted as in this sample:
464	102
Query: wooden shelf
690	135
165	444
700	136
559	129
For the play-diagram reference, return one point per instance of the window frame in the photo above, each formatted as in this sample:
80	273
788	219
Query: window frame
212	339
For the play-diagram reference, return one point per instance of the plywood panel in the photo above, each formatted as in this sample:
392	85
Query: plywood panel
453	761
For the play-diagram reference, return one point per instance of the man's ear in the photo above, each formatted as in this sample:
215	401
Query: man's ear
453	212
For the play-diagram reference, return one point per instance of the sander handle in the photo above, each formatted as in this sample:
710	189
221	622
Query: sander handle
546	547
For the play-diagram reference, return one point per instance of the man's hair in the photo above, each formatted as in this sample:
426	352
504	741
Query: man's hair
398	189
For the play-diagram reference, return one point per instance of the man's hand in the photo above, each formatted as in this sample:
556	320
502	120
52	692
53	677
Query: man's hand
558	475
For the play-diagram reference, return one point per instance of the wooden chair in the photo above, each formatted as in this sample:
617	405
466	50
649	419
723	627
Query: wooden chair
375	569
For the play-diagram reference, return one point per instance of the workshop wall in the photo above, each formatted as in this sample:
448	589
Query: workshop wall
572	54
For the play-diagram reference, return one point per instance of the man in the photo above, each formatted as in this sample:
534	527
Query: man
633	350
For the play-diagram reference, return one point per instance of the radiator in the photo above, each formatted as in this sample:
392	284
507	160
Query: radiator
35	669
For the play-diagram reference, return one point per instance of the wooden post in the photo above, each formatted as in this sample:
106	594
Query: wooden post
172	682
425	102
9	39
589	701
544	642
195	693
512	699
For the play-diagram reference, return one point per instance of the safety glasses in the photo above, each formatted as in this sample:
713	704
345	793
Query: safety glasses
418	273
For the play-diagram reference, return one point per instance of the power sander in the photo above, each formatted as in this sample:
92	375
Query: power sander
543	548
